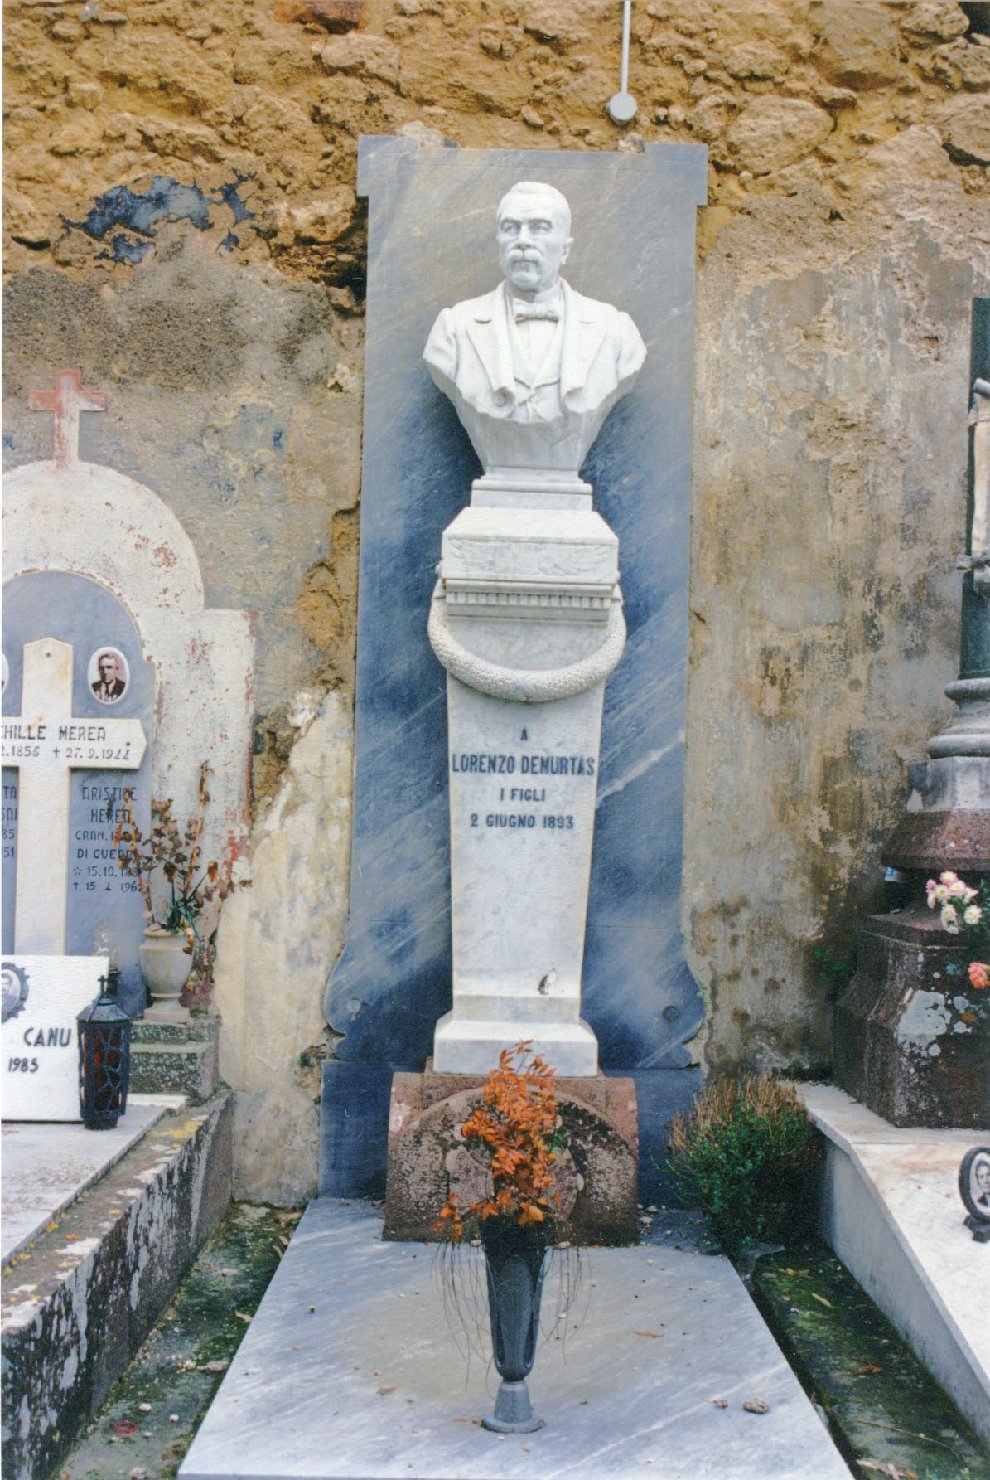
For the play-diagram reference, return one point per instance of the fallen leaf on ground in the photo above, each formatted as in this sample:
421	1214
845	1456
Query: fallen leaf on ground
720	1402
756	1405
383	1392
229	1274
821	1300
219	1364
125	1426
241	1316
885	1467
654	1334
867	1369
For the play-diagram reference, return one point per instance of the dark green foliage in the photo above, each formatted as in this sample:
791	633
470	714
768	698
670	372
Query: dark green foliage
834	973
745	1154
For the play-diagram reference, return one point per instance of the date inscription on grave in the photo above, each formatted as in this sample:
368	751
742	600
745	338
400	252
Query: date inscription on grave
83	743
42	997
525	793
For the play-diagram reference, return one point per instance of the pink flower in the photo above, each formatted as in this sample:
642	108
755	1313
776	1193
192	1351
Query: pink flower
979	975
948	877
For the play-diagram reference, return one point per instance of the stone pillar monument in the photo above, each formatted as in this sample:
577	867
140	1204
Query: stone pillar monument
526	617
911	1034
527	620
478	780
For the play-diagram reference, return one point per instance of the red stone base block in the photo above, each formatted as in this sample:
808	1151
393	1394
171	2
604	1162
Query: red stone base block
912	1036
597	1180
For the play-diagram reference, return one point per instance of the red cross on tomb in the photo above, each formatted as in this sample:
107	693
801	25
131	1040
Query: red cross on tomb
68	400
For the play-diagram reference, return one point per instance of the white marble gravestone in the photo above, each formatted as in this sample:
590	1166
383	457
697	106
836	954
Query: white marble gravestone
42	997
97	566
430	245
44	743
527	620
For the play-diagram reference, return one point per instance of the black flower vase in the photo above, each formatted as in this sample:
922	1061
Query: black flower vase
514	1260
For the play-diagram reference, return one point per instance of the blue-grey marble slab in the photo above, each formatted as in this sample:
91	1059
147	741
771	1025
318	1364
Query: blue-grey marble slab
431	243
350	1371
85	614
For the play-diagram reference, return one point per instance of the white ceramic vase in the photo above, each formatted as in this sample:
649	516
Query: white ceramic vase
165	965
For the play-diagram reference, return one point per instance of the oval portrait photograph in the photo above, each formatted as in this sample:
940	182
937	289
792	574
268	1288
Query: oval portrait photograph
108	675
15	989
974	1182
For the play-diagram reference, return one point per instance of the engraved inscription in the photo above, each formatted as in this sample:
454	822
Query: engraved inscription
74	744
95	867
510	808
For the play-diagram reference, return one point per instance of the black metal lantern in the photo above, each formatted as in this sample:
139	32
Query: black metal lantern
104	1057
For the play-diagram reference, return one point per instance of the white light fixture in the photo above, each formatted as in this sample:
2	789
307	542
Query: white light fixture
622	105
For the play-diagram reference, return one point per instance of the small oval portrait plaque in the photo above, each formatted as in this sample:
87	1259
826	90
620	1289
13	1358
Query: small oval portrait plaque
974	1189
108	675
15	989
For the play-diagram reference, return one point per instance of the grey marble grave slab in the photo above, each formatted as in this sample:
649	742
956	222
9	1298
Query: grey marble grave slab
349	1372
892	1212
431	243
89	617
46	1167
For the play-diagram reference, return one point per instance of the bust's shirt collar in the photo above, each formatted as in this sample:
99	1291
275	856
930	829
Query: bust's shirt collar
549	298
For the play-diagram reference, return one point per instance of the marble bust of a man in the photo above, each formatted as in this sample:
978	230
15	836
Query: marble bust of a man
533	368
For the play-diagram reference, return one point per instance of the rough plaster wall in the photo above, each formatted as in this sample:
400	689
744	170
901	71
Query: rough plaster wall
830	507
276	946
182	223
223	400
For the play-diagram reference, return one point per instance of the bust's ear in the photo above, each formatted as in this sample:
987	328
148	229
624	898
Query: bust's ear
567	250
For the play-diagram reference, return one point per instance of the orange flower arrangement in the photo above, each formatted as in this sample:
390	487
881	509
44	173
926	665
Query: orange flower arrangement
516	1126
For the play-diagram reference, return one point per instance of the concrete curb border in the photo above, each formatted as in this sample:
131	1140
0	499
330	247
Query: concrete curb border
79	1302
915	1260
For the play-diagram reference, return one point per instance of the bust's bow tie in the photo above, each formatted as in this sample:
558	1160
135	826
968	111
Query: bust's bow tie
522	311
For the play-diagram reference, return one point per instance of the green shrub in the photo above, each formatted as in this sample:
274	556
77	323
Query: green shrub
744	1154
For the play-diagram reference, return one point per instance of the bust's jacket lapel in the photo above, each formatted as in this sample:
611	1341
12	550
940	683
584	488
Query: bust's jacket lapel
585	323
486	329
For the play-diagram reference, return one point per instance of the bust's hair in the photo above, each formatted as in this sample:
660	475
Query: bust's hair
534	187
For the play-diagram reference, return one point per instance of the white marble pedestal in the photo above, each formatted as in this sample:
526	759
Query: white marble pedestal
527	620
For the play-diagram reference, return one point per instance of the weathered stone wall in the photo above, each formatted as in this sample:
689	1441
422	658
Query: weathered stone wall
182	224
